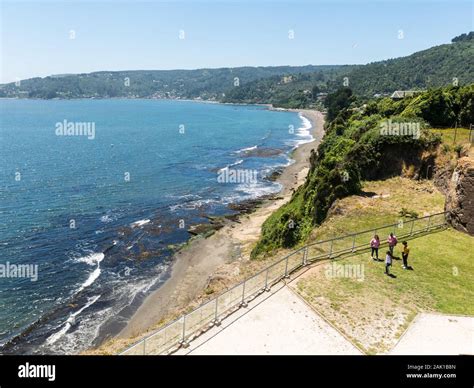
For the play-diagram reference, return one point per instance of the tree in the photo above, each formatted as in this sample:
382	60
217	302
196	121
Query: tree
463	37
338	101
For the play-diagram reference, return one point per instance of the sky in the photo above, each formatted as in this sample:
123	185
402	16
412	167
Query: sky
42	38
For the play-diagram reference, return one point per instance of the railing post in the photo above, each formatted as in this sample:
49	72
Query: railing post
266	280
243	304
429	223
184	327
183	342
353	243
305	256
330	249
412	224
144	346
286	267
216	322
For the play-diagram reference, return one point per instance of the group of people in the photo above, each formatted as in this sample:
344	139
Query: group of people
392	242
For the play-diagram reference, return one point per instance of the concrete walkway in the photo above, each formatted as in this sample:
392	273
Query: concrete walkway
276	323
432	334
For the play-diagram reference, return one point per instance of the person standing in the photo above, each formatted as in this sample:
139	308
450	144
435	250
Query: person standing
405	253
392	241
375	244
388	262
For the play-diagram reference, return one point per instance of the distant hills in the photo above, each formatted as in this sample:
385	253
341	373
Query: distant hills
438	66
287	86
207	84
290	91
435	67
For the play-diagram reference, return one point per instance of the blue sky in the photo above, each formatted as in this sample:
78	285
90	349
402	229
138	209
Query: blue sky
127	35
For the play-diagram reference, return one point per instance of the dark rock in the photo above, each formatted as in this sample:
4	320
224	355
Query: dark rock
245	207
275	174
262	152
460	196
204	229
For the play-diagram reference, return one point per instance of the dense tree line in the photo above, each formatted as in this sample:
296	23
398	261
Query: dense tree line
464	37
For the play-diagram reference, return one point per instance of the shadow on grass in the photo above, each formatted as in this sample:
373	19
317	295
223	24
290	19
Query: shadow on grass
367	194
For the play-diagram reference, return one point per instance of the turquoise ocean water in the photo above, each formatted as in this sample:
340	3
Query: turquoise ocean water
97	211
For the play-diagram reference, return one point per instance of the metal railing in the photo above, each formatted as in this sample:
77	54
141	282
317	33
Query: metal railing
182	330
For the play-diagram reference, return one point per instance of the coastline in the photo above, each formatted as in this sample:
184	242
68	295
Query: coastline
217	257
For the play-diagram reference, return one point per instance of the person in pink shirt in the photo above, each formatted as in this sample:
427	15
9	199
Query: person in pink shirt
392	241
374	244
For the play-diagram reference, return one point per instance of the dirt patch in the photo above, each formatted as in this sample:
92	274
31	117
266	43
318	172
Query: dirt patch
393	194
372	321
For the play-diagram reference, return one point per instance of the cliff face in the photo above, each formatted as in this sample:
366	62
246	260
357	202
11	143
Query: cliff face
336	171
460	196
410	161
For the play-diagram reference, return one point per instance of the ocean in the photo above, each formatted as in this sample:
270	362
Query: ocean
96	194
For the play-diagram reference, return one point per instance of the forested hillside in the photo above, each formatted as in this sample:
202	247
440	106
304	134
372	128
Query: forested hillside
207	84
294	91
356	148
438	66
284	86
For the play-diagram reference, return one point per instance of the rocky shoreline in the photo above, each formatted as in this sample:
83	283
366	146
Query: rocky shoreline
216	247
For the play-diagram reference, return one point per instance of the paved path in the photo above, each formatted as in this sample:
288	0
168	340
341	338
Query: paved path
437	334
276	323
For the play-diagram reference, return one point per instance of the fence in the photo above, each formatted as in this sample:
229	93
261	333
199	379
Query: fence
183	329
458	134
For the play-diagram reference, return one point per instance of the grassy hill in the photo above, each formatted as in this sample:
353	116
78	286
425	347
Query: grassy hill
375	310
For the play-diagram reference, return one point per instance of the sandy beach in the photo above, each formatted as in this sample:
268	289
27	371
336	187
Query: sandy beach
206	259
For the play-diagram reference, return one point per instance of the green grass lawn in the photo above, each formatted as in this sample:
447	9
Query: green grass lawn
440	256
453	136
442	278
374	309
360	213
